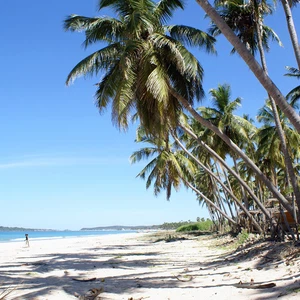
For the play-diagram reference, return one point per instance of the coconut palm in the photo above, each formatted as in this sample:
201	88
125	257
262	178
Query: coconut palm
203	165
168	168
246	20
269	144
243	18
161	76
249	59
143	60
221	115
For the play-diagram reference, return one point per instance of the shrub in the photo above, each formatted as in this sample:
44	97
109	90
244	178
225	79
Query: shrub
199	226
243	237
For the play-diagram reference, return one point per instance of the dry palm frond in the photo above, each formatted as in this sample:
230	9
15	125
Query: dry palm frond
6	292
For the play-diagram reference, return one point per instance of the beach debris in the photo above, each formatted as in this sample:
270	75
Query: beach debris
184	278
84	280
252	285
6	292
90	295
141	298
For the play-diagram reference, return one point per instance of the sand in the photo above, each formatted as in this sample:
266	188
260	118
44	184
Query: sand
134	266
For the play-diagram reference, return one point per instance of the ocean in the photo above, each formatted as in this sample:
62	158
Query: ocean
16	236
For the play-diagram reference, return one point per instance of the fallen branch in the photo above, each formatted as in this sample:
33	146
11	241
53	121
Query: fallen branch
188	278
84	280
255	286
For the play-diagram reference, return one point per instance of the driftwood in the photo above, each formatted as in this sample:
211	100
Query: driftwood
255	286
186	278
84	280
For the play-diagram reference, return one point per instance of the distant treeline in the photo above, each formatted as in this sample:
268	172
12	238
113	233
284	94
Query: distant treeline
3	228
120	227
164	226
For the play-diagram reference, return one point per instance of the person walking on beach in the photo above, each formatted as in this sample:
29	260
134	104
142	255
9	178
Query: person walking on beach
26	240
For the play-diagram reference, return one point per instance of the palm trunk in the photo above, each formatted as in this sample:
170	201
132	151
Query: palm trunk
225	194
287	158
256	225
263	78
209	202
235	149
240	180
229	186
292	30
242	189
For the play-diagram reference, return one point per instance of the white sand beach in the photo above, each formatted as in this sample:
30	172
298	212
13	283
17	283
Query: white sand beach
135	266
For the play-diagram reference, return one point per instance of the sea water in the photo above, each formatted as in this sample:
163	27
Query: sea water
15	236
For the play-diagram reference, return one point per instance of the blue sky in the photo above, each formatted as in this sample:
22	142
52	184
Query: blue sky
62	165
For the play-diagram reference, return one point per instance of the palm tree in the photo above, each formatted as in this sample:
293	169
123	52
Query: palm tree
246	20
216	178
161	76
235	127
167	169
249	59
269	143
190	132
146	53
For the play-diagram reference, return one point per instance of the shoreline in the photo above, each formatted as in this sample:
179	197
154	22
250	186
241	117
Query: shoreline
60	235
144	266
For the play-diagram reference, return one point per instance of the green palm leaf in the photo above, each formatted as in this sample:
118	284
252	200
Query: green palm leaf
192	37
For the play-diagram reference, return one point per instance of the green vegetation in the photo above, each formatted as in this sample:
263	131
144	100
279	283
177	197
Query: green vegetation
199	226
242	237
235	166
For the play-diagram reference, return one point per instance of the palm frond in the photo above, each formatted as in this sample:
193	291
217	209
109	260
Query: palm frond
293	96
78	23
162	41
164	8
293	72
141	154
105	29
122	7
91	65
193	37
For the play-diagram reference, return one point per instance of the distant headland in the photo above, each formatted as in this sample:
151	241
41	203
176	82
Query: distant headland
4	228
120	227
164	226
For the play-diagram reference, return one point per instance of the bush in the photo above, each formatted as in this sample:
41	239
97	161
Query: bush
243	237
199	226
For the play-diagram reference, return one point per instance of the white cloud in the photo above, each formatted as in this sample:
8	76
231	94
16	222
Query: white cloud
51	161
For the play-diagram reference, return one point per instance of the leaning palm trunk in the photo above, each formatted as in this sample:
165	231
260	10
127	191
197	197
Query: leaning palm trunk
242	189
236	201
263	78
236	149
287	158
228	183
292	30
225	194
209	202
240	180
